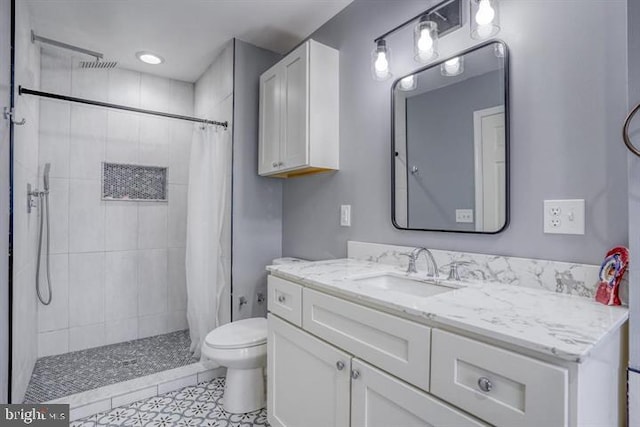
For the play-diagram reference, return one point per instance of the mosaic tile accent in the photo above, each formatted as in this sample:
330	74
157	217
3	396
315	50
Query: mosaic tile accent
199	405
58	376
134	182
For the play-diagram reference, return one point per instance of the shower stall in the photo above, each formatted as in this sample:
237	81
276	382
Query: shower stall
102	174
101	178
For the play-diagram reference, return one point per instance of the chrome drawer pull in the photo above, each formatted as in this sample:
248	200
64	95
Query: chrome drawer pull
281	298
340	365
484	384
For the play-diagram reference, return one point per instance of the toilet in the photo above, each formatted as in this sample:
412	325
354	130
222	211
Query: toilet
241	347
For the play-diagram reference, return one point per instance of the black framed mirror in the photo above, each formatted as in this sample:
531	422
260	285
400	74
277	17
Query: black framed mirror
450	144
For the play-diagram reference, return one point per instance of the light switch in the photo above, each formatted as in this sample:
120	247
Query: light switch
345	215
564	216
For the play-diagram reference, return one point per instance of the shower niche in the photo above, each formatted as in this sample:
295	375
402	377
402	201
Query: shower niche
136	183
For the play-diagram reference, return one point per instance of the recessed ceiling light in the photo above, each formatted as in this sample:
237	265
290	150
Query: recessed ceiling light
149	58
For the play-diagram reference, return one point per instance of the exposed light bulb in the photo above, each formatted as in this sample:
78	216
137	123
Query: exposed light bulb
425	43
408	83
381	65
425	40
485	13
452	67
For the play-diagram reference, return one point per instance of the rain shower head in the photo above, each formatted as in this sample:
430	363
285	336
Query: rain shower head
98	64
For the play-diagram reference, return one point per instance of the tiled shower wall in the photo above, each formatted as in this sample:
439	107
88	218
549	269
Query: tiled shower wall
27	72
117	267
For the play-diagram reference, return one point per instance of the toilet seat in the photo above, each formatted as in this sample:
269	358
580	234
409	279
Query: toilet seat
239	334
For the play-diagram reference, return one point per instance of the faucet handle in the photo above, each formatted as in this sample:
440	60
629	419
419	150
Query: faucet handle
453	272
411	268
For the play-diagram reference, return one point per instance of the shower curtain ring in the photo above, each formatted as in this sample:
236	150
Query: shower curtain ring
9	114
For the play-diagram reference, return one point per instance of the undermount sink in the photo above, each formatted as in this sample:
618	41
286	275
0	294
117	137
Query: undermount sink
402	284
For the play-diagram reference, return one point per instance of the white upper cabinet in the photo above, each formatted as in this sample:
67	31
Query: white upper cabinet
299	113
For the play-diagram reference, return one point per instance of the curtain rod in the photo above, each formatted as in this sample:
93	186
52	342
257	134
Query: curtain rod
25	91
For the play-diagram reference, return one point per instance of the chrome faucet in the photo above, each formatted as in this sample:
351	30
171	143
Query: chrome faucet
432	266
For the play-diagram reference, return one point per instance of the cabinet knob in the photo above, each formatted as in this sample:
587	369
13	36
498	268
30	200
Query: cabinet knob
274	164
281	298
340	365
484	384
280	163
355	374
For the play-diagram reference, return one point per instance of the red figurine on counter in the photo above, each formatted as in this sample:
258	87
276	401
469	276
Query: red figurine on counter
611	274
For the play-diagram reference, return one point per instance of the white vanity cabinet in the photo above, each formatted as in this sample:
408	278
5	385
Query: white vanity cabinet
334	361
299	113
314	384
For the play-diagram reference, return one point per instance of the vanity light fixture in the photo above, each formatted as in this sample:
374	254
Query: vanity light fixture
149	58
425	40
432	24
452	67
485	19
380	58
408	83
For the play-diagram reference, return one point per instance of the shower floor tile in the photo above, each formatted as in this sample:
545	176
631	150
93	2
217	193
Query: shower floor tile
58	376
199	405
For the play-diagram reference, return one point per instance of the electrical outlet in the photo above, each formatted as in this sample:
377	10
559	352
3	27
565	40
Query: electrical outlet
345	215
464	215
564	216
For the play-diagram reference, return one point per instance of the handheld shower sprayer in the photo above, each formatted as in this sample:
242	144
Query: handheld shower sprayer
43	210
45	176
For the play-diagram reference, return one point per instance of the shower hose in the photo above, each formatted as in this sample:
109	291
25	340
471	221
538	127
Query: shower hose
43	207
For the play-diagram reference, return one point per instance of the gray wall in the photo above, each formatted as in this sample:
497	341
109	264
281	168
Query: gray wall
257	201
568	93
5	83
634	183
440	143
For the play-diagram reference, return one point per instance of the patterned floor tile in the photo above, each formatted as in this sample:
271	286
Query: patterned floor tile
69	373
199	405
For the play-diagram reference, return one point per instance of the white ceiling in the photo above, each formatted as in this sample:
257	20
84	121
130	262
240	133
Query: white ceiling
187	33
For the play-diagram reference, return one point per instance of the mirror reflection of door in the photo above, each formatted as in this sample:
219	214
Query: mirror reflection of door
490	168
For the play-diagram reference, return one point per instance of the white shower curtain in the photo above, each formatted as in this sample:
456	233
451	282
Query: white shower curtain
206	207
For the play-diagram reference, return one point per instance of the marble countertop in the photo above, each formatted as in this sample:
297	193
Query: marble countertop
564	326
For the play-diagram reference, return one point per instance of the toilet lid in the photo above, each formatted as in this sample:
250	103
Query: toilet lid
238	334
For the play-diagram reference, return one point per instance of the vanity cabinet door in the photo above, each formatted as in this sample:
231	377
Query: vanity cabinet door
308	381
380	400
270	121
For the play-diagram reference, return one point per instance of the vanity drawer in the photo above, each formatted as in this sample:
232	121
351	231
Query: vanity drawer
395	345
285	300
501	387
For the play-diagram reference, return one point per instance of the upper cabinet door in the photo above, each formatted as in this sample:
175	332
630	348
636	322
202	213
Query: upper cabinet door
270	121
294	148
309	380
299	113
